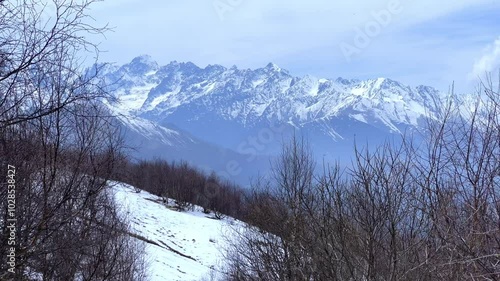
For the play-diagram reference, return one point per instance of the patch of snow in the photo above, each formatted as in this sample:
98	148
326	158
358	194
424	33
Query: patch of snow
259	108
314	90
186	245
331	132
209	87
359	117
378	83
258	82
165	97
150	73
134	98
358	91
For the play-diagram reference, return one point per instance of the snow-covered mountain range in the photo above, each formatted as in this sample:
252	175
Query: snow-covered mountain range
238	117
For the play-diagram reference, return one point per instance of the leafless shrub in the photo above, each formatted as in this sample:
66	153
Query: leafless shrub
64	146
414	210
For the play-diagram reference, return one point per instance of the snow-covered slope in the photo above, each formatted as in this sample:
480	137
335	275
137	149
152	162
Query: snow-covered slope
180	246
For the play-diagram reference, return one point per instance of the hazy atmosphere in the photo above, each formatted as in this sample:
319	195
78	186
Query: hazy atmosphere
409	41
238	140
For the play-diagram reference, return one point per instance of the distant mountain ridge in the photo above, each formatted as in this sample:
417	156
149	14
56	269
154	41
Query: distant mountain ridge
268	92
228	107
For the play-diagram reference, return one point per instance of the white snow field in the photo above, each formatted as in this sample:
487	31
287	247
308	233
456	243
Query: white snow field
179	245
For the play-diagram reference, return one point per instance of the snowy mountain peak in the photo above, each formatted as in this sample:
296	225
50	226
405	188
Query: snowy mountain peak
142	65
273	67
180	66
215	67
144	59
344	81
182	111
186	95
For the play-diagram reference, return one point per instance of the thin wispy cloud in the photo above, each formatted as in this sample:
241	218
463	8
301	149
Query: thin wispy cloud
306	36
488	62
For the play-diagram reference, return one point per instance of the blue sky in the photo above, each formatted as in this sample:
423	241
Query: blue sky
415	42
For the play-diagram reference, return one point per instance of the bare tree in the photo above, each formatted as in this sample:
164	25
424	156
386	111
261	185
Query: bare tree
277	247
64	147
66	220
41	41
459	178
412	210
